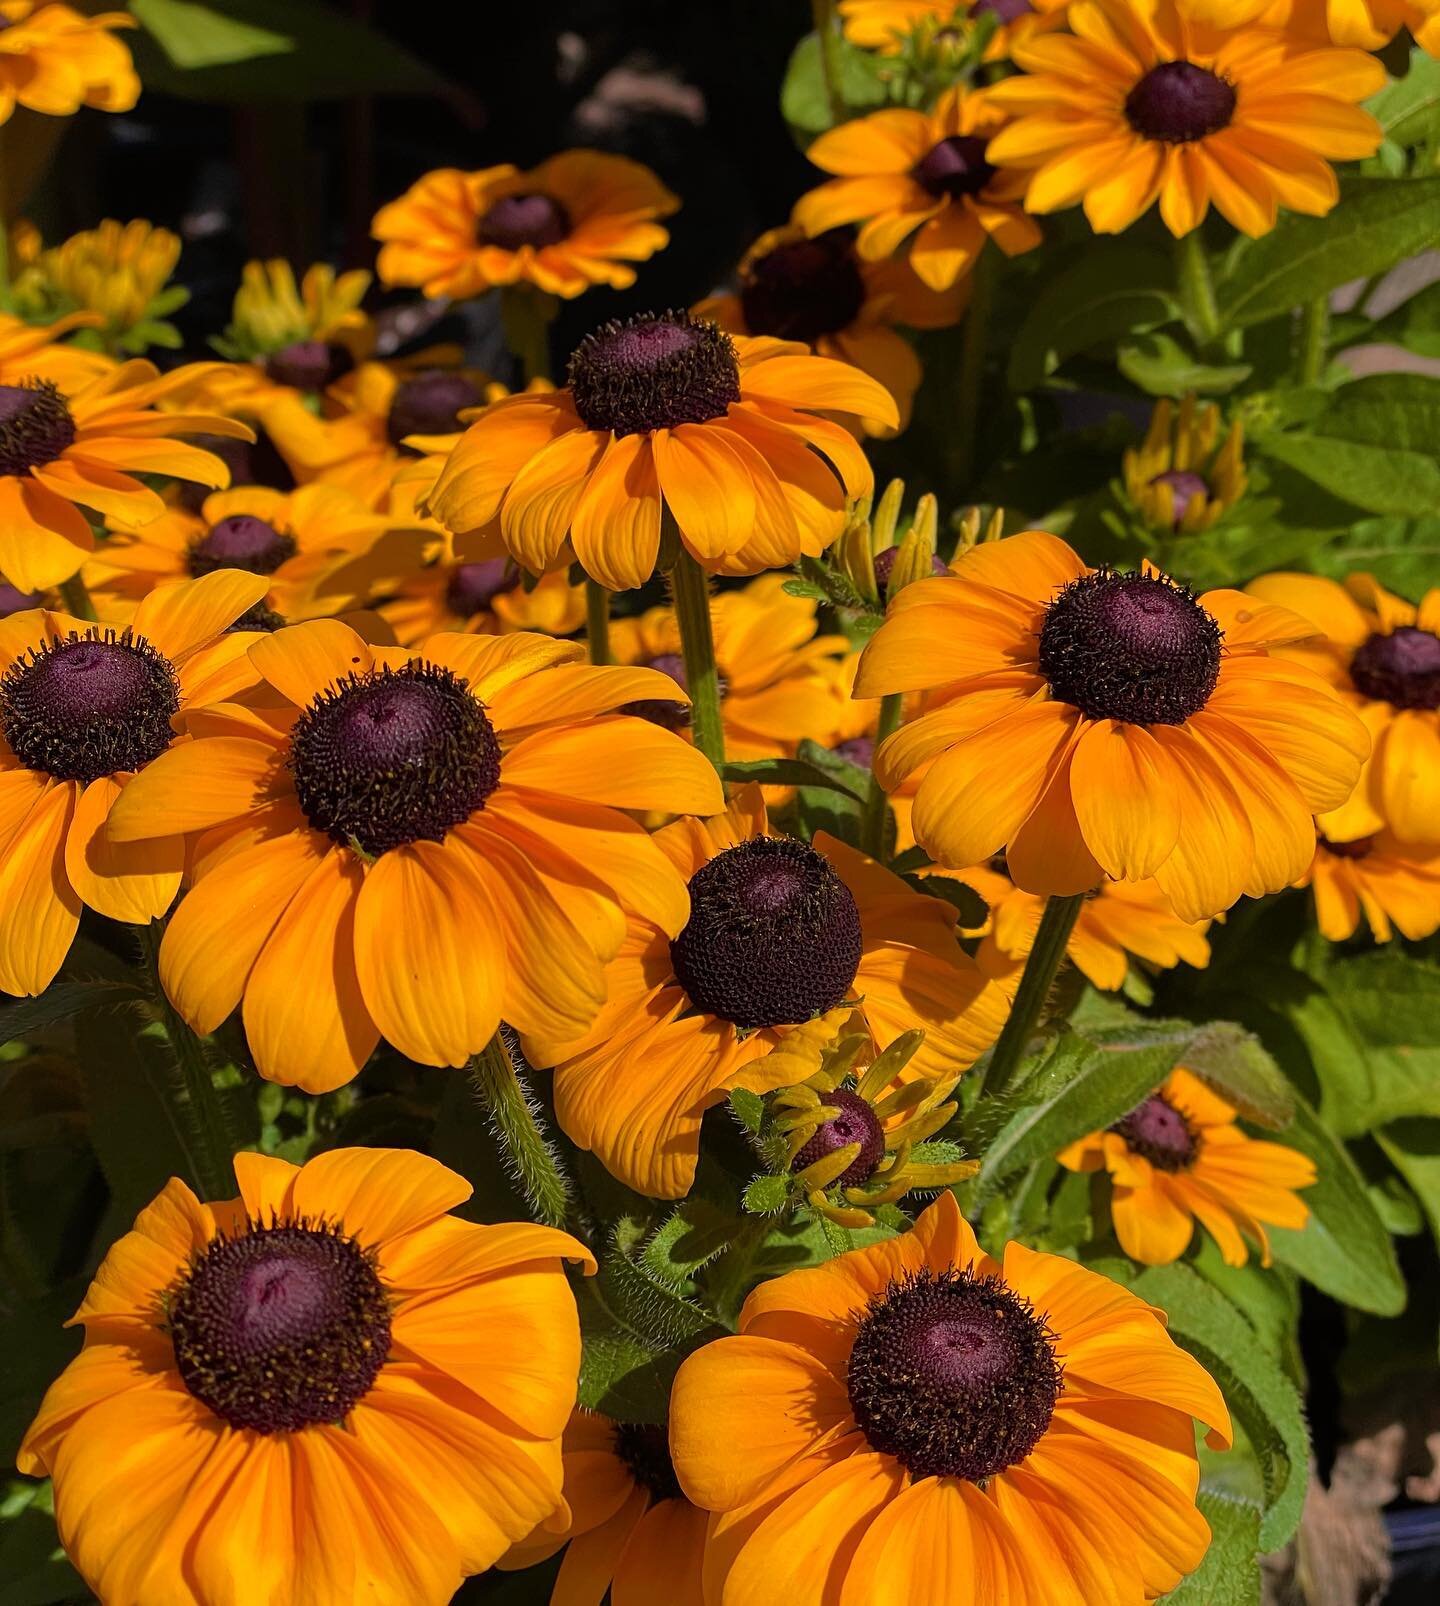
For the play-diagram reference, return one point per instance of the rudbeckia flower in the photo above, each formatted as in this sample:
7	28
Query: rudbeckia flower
821	292
83	710
1095	723
916	1421
325	1389
778	933
1383	656
54	59
1179	1158
625	1526
579	219
1366	24
65	450
1145	103
300	337
772	665
296	540
37	351
485	598
926	174
117	271
1395	887
414	842
885	25
668	411
1185	475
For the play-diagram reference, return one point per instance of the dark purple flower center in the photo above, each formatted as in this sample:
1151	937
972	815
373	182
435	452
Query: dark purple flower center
644	1448
1358	849
1402	668
258	617
773	937
430	404
1177	102
241	541
472	587
1133	647
13	601
1004	10
653	372
257	463
856	1123
309	364
804	288
90	705
954	1375
673	716
884	562
518	220
393	756
1185	488
281	1328
858	750
1157	1130
954	167
35	426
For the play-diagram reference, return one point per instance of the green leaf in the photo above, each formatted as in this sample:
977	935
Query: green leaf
690	1238
1413	1148
844	775
194	35
62	1003
1402	553
804	102
972	907
1230	1572
749	1108
766	1195
37	1347
786	772
1415	323
1377	223
33	1568
1236	1064
1408	108
1161	366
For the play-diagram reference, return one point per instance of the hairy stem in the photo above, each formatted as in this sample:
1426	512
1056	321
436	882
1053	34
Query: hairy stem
1056	924
697	645
514	1119
872	824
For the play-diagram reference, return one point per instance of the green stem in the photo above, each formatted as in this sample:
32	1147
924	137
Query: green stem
1056	924
198	1113
968	403
697	646
527	331
597	621
1196	288
1314	339
513	1116
76	597
872	823
823	14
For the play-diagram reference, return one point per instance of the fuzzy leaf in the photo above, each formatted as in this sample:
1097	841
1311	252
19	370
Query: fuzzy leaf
749	1108
764	1196
1230	1572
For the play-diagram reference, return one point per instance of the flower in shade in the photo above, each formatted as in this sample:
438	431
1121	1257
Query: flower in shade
63	450
625	1524
297	540
487	597
1382	654
1143	103
414	842
1186	474
326	1388
1179	1158
1395	888
1094	723
774	686
778	932
820	291
305	336
903	173
668	411
579	219
886	26
916	1421
54	59
119	271
30	351
83	710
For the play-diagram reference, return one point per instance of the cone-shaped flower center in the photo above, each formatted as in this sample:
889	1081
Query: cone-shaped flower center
430	404
241	541
258	617
773	937
1157	1130
673	716
281	1328
954	167
1185	488
653	372
644	1448
1177	102
953	1374
856	1123
472	587
90	705
35	426
1133	647
309	364
257	464
516	220
804	288
393	756
884	562
1402	668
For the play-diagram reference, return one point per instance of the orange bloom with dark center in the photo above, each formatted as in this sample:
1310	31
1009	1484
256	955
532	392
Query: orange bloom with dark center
1392	886
486	597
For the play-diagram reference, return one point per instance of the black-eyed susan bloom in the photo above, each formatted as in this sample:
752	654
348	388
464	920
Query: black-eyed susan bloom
1392	887
1140	103
917	1421
1178	1158
84	709
1096	723
778	932
925	178
1366	24
55	59
414	842
887	26
625	1525
487	597
118	271
325	1389
578	220
1189	470
668	412
66	450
